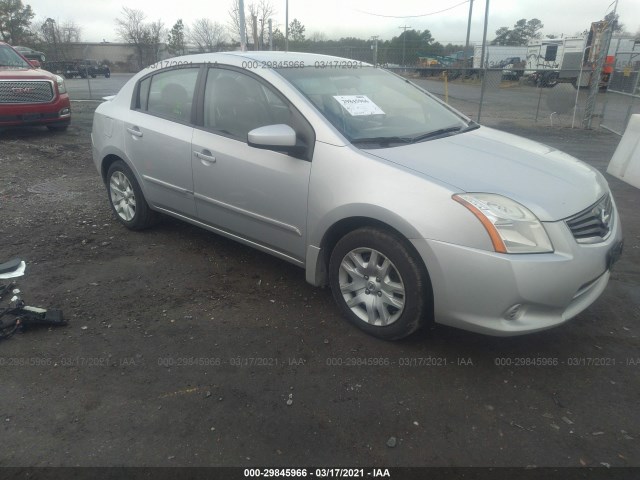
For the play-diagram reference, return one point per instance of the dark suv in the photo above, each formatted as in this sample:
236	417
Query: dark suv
30	95
93	68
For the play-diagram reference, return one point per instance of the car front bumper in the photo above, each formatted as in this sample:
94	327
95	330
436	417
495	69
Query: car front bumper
512	294
57	112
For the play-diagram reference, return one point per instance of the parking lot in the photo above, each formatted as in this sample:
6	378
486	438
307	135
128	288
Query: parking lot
186	349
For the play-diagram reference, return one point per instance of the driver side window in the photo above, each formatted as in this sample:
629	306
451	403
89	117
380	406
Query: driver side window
235	103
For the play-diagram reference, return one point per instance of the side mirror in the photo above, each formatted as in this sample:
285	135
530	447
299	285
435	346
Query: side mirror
280	137
272	136
35	63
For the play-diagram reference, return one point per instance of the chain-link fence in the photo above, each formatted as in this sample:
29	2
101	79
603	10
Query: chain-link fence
623	99
504	93
497	96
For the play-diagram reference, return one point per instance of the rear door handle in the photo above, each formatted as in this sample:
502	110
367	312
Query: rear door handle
135	131
206	158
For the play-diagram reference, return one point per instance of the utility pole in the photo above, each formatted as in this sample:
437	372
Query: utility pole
404	41
243	32
483	65
270	34
375	50
254	22
286	28
466	45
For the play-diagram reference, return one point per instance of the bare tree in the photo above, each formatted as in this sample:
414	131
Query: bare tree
132	29
318	37
55	38
156	32
145	37
261	10
206	35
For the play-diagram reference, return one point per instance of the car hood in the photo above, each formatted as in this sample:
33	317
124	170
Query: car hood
24	73
552	184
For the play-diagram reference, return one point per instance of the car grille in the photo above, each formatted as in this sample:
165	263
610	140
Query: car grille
593	224
26	92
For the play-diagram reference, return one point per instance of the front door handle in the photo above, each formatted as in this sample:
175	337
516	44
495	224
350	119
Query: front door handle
206	158
135	131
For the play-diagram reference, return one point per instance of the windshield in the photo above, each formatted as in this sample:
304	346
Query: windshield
9	58
370	105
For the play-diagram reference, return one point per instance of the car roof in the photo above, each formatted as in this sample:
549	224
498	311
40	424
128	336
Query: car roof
238	57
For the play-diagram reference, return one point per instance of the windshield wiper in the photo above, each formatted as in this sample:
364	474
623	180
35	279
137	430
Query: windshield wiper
381	140
443	132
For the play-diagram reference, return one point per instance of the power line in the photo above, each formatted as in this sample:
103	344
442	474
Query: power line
413	16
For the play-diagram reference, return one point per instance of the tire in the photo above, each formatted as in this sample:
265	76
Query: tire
126	198
550	80
395	290
107	75
93	75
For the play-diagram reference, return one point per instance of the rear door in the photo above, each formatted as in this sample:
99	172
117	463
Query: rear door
159	131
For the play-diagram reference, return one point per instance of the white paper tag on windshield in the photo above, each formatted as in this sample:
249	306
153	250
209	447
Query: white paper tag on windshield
358	105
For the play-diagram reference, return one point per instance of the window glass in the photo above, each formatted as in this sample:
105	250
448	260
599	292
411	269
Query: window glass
170	93
369	102
235	103
9	58
143	93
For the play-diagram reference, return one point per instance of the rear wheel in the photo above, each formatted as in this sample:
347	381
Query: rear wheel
379	284
126	198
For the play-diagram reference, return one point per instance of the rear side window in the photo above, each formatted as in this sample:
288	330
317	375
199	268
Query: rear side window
169	94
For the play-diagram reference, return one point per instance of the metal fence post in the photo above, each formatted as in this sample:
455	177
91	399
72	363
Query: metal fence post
484	63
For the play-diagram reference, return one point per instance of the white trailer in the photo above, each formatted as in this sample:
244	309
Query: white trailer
571	59
556	60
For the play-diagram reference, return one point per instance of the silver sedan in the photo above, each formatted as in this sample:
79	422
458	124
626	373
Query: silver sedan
408	210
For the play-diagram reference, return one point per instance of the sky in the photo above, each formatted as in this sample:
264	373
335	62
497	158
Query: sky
355	18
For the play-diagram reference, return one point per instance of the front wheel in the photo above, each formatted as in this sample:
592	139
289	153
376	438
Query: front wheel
378	283
126	198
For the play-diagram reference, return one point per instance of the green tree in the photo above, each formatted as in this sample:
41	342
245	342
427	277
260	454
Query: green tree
296	31
278	39
522	32
408	46
176	38
15	20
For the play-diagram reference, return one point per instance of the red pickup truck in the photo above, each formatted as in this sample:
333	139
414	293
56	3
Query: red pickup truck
29	95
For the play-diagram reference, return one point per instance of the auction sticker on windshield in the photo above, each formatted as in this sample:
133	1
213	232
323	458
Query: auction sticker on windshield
358	105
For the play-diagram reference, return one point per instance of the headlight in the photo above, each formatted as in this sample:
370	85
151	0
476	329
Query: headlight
511	227
62	88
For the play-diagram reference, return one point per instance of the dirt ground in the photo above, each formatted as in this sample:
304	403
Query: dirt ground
184	348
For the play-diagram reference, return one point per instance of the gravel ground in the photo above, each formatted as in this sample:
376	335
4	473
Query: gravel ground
186	349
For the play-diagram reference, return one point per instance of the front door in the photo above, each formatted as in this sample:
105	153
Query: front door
259	195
